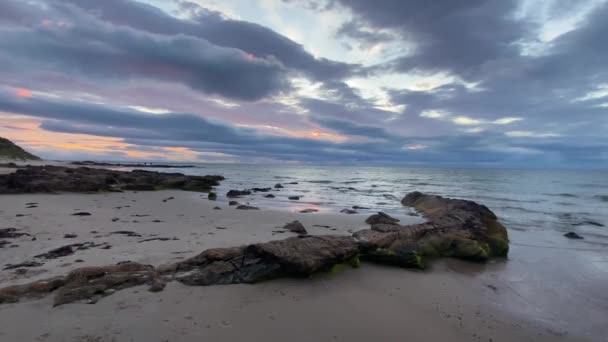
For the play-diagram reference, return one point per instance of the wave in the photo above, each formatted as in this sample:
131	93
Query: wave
521	209
563	194
602	198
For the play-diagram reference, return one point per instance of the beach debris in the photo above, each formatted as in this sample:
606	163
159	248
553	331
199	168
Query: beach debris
247	207
269	196
456	228
293	198
381	218
348	211
22	265
48	179
157	238
308	211
11	233
237	193
278	186
81	213
296	227
233	203
212	196
70	236
125	233
573	235
68	250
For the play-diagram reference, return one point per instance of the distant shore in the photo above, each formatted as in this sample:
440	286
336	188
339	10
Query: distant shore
454	300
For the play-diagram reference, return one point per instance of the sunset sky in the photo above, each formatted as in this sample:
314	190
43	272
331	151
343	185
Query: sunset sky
396	82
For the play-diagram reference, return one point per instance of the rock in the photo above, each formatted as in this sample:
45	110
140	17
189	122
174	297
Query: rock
238	193
573	235
381	218
356	207
247	207
212	196
349	211
296	256
308	211
233	203
70	236
261	189
116	219
11	233
82	213
217	208
48	178
293	198
23	264
278	186
293	183
269	196
296	227
168	199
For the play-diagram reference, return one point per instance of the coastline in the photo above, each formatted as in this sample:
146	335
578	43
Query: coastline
453	299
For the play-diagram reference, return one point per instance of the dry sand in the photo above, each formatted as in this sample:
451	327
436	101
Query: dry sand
453	301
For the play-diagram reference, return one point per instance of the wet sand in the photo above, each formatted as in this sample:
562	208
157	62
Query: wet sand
545	294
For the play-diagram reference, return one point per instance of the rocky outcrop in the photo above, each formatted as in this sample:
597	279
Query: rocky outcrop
456	228
33	179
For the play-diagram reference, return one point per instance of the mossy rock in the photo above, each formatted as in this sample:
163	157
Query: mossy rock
353	262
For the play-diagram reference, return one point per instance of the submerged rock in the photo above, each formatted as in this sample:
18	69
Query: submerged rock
212	196
238	193
278	186
573	235
296	227
33	179
293	198
233	203
269	196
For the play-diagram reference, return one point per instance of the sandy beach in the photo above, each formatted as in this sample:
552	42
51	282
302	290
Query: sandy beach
453	300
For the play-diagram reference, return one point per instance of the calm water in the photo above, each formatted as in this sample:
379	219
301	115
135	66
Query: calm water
523	199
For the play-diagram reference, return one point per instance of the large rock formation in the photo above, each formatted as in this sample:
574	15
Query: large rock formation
457	228
48	178
10	151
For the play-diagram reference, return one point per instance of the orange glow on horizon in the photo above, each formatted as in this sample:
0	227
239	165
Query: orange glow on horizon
22	92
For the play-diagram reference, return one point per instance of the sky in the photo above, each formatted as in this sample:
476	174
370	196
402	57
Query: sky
468	83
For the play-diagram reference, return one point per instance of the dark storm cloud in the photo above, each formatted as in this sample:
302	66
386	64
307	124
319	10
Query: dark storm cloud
92	48
214	27
460	36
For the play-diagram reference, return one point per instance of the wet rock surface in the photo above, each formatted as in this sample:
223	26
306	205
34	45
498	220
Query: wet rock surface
49	179
237	193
